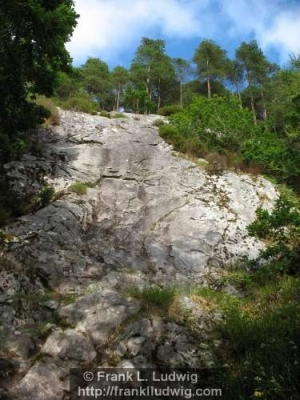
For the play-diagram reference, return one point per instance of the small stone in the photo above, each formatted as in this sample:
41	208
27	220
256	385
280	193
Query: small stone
134	345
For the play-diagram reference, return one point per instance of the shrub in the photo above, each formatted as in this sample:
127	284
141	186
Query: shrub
105	114
118	115
46	102
78	187
46	195
281	227
154	296
158	122
81	103
217	163
169	110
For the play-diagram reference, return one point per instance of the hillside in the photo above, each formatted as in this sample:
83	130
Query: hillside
129	213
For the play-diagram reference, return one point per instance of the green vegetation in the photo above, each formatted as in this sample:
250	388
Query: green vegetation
281	228
54	118
78	187
32	51
81	187
154	296
260	342
158	122
81	103
118	115
220	125
46	195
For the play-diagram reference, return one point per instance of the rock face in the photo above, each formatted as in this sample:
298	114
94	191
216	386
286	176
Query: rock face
148	216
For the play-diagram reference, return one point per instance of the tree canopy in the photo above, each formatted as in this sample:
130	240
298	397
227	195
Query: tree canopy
33	34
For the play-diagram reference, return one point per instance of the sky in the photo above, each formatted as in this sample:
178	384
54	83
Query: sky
112	29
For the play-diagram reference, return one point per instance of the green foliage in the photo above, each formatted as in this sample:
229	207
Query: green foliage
260	342
54	118
211	63
46	195
78	187
281	227
105	114
169	110
218	122
158	122
154	296
152	69
274	154
180	142
32	51
82	102
118	115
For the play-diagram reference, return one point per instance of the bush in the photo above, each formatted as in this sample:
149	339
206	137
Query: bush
54	118
169	110
259	334
217	163
46	195
181	143
274	155
105	114
154	296
78	187
158	122
281	228
81	103
118	115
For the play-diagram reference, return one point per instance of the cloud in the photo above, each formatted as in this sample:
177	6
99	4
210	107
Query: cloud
274	24
107	27
110	29
284	35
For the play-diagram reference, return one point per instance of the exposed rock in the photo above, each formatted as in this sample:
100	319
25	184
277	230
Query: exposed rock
98	313
148	217
70	345
44	381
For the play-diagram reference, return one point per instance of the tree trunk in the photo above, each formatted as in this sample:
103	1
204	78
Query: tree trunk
159	97
240	100
208	88
253	108
118	97
181	95
148	83
265	114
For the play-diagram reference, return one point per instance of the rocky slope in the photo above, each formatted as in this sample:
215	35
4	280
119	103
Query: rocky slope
148	217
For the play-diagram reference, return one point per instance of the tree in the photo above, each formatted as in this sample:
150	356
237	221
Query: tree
182	71
120	77
236	78
33	34
256	69
211	63
96	76
152	67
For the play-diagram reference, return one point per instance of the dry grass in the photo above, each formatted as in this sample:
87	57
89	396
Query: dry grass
54	119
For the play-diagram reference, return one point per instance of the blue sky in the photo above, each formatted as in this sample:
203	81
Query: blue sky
112	29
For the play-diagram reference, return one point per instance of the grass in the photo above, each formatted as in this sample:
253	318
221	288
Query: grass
54	118
260	336
105	114
78	187
154	297
158	122
118	115
81	187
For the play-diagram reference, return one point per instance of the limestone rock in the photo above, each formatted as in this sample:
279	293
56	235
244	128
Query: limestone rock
98	313
69	344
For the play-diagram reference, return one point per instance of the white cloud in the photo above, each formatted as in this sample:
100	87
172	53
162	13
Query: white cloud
284	35
274	24
110	28
107	27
